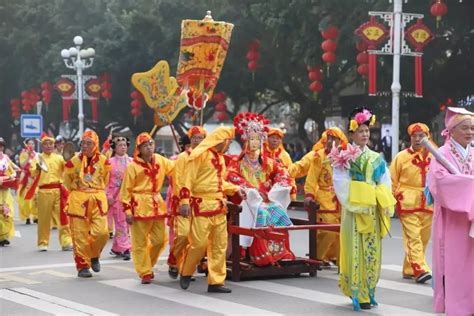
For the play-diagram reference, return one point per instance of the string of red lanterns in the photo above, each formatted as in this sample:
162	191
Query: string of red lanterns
438	9
315	76
253	55
329	45
136	104
220	106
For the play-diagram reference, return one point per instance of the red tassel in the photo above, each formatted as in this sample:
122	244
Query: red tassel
95	110
66	104
418	77
372	74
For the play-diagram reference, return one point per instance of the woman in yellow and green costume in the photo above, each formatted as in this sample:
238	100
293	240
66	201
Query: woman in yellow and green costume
363	187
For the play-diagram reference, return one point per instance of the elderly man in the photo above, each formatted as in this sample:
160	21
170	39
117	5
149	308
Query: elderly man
203	196
408	172
86	176
453	220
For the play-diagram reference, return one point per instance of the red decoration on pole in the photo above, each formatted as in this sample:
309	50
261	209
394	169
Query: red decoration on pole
66	88
418	35
136	104
93	89
438	9
106	86
372	33
253	56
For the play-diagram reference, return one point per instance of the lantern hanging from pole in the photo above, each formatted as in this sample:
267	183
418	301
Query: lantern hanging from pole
329	46
372	33
418	35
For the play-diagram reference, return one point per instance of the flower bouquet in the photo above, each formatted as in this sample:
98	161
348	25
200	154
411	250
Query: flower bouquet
342	158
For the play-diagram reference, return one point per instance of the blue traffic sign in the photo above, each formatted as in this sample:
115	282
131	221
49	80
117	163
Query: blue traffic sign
31	125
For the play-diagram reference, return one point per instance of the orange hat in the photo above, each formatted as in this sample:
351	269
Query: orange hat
196	130
45	137
140	140
90	134
418	127
275	131
334	132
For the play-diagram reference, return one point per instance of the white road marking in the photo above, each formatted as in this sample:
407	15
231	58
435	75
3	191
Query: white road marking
48	303
420	289
326	298
53	273
56	265
17	233
188	298
14	278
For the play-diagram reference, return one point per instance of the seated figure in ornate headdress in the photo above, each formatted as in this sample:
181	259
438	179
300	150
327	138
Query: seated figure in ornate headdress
267	185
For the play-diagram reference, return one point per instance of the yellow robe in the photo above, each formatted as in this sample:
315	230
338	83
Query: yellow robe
408	172
205	190
300	168
181	224
87	207
319	186
141	197
49	201
28	208
7	227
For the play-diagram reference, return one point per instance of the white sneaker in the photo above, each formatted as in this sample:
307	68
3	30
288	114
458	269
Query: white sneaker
43	248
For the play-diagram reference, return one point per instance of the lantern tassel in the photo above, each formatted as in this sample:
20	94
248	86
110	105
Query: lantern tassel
418	77
372	74
66	104
95	110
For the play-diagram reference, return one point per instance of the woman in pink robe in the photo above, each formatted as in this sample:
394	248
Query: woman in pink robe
119	162
453	222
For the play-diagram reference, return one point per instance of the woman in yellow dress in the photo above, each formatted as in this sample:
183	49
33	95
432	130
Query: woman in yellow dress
7	181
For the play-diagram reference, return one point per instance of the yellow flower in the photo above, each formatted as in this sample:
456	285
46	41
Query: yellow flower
353	125
372	120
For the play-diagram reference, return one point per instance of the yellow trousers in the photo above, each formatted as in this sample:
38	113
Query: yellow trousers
207	234
7	227
182	227
89	234
149	239
48	207
327	241
416	234
28	208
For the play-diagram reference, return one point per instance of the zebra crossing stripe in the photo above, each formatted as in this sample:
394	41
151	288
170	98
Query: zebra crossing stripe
48	303
188	298
326	298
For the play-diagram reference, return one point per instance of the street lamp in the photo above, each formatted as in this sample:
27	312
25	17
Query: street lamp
79	59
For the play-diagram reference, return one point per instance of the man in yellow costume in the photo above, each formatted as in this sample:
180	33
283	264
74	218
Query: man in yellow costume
319	187
7	182
86	176
203	197
145	209
181	224
52	197
28	182
408	172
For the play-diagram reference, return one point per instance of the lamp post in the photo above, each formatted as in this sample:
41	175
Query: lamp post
79	59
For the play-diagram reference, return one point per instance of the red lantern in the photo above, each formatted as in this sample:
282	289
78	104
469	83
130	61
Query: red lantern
254	44
221	107
316	86
332	32
438	9
314	75
252	65
135	103
222	116
134	94
362	58
253	55
329	57
442	107
136	112
218	97
329	46
362	46
363	70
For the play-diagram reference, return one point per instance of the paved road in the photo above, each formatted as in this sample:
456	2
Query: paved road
44	283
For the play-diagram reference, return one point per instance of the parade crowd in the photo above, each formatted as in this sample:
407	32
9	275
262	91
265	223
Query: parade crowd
102	193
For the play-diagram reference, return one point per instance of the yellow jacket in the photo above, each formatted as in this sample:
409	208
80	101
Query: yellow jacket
28	171
408	172
86	186
205	187
279	154
179	172
300	168
140	192
319	184
55	165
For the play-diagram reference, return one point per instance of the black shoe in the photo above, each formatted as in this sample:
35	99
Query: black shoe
364	305
116	253
184	282
28	221
424	277
111	235
84	273
126	255
218	289
4	242
173	272
35	221
95	264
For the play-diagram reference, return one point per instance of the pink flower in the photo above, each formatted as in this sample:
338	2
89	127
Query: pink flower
361	118
342	158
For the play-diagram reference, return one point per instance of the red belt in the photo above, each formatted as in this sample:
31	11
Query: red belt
50	186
